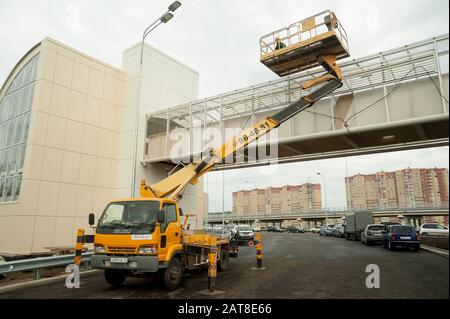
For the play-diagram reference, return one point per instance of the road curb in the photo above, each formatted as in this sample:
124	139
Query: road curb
42	282
435	251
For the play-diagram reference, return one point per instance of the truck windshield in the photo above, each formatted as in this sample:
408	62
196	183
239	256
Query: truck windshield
122	214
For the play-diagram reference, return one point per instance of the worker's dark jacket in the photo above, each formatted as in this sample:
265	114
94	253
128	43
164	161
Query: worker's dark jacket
280	45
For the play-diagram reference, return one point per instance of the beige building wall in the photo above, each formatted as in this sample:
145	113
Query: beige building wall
79	152
71	150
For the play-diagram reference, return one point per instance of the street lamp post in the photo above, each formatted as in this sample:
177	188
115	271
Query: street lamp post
166	17
256	188
349	194
325	193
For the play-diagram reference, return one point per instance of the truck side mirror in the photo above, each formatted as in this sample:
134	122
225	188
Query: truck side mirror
161	216
91	219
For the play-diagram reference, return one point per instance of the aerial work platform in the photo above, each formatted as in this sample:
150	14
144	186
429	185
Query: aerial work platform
299	46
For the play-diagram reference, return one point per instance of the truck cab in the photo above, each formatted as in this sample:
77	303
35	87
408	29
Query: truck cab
138	236
142	236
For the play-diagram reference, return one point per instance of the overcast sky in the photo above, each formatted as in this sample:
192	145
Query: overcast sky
220	39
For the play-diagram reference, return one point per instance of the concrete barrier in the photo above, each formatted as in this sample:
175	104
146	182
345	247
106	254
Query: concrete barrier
435	241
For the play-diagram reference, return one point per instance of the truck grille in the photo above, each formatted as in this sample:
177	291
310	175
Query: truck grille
122	250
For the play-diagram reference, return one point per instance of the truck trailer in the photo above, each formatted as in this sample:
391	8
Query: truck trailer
355	224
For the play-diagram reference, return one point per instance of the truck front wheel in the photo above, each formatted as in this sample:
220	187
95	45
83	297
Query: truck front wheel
115	277
171	276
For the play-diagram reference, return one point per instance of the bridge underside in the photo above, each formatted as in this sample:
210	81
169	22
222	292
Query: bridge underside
430	133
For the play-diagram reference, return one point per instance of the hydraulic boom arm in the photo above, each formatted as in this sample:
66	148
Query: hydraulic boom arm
173	186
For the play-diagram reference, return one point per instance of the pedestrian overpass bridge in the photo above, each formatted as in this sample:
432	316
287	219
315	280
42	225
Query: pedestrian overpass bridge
392	100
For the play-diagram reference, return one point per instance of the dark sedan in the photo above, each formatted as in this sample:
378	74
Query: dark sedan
274	229
294	229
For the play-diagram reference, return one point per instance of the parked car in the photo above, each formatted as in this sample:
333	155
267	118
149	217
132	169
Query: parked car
433	229
316	229
401	236
274	229
295	229
338	231
373	234
244	232
326	230
329	230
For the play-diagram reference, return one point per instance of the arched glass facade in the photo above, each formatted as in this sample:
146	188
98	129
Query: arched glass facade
15	111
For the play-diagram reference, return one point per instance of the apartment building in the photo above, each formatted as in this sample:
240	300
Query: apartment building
407	188
277	200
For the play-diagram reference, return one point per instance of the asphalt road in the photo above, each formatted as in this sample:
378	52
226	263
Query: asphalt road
298	266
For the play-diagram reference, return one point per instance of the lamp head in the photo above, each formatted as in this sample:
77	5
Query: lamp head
174	6
167	17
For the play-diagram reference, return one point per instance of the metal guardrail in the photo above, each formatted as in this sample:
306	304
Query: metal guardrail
35	264
440	242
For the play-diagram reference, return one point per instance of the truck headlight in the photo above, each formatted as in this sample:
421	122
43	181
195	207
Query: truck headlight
99	249
148	250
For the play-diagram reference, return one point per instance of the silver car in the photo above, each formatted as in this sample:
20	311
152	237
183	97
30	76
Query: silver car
244	232
373	234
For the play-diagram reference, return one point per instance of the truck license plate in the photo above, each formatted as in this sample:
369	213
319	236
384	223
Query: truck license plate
405	238
116	260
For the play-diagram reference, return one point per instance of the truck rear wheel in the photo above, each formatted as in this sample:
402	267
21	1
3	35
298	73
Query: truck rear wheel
224	260
171	276
115	277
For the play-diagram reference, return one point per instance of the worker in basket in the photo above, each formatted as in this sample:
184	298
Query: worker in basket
279	44
331	21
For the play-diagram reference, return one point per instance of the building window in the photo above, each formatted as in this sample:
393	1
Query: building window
15	111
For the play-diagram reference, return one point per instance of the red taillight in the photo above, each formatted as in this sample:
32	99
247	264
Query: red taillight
393	237
417	237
